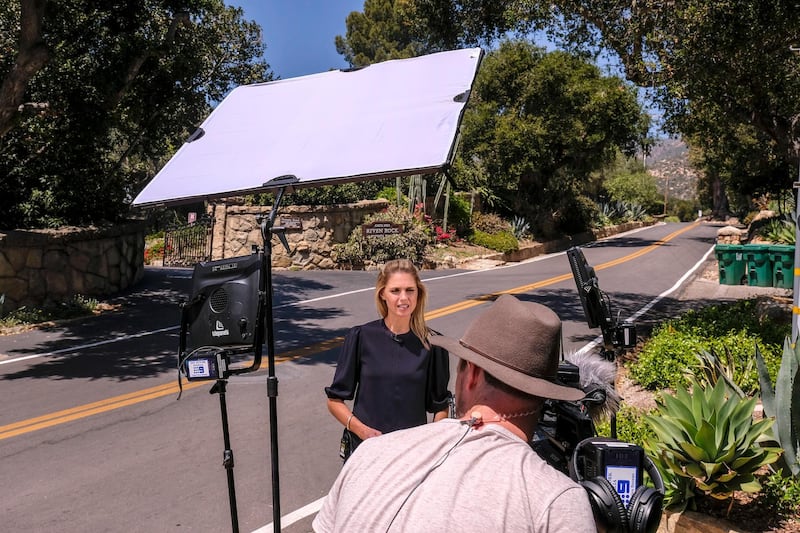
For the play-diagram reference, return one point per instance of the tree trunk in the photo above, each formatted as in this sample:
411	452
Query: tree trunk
31	57
720	208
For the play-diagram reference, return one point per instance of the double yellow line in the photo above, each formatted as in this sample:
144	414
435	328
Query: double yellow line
132	398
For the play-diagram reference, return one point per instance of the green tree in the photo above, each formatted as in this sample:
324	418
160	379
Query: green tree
113	90
712	66
387	29
628	181
537	126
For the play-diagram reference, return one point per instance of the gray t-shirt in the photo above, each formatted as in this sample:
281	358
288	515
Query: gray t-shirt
448	477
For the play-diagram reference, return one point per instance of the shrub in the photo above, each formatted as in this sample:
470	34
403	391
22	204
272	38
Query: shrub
154	250
489	223
390	193
685	210
733	328
459	214
503	241
343	193
410	244
631	426
780	493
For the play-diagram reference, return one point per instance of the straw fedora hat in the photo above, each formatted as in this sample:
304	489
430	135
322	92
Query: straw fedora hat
518	343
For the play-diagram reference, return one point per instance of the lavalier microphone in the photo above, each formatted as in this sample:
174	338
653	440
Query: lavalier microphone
397	339
475	419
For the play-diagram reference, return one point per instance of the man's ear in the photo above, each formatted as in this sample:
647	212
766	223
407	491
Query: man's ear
473	375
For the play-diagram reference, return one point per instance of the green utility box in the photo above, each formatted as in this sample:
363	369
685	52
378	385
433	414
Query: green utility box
759	265
732	266
782	257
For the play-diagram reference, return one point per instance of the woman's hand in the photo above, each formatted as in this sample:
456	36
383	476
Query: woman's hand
363	431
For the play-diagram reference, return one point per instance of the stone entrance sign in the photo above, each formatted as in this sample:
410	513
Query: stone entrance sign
380	229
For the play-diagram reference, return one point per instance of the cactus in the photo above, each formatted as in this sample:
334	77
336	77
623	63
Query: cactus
783	403
706	443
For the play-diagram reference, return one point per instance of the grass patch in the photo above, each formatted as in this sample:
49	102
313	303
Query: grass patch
76	307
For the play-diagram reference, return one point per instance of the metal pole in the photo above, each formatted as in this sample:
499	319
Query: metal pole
796	283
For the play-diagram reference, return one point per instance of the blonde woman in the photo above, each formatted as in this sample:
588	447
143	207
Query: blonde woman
388	367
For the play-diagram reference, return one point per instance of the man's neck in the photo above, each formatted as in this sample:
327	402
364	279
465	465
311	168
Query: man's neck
521	423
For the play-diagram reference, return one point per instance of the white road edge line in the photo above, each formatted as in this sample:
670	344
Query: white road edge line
294	516
292	304
315	506
654	301
90	345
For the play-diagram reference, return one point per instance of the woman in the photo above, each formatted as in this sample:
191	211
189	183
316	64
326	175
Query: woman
388	365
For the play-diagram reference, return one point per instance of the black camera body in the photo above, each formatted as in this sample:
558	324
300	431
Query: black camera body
562	425
611	471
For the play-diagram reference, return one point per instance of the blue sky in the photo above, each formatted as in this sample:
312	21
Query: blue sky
299	34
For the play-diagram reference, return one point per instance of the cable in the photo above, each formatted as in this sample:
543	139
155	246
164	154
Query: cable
436	465
181	361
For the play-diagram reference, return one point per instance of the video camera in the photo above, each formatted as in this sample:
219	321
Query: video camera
611	471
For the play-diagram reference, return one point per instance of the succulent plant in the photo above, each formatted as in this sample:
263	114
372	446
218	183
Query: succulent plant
783	404
520	227
713	368
707	443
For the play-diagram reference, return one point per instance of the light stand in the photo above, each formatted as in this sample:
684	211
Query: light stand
227	454
212	362
268	228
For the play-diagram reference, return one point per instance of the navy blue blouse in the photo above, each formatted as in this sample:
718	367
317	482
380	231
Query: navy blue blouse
395	380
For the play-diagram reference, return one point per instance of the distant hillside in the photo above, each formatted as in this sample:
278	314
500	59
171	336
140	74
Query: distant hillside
669	163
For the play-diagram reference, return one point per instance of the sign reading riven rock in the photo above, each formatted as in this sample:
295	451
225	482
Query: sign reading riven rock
291	222
381	229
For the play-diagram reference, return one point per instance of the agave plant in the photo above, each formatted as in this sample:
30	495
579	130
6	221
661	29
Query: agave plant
781	230
608	213
783	403
713	368
635	212
520	227
706	442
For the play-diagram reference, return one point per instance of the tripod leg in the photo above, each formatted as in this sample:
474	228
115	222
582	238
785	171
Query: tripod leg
227	457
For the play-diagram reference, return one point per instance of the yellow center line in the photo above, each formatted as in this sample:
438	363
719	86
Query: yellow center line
478	300
103	406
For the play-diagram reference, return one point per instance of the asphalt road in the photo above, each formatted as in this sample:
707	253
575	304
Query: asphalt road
93	437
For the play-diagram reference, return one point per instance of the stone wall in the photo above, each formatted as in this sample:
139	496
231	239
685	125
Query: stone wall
43	267
311	231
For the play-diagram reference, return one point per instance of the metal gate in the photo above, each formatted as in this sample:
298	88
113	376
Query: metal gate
188	244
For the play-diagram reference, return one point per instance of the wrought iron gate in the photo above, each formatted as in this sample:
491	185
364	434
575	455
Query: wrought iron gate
187	244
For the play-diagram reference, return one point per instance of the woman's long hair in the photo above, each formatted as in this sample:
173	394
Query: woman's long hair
418	325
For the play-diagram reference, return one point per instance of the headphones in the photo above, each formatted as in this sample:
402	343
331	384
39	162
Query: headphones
643	513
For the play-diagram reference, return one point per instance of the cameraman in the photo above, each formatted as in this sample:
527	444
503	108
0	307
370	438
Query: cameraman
477	473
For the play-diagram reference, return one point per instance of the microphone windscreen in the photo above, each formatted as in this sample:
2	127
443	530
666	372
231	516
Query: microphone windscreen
597	372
